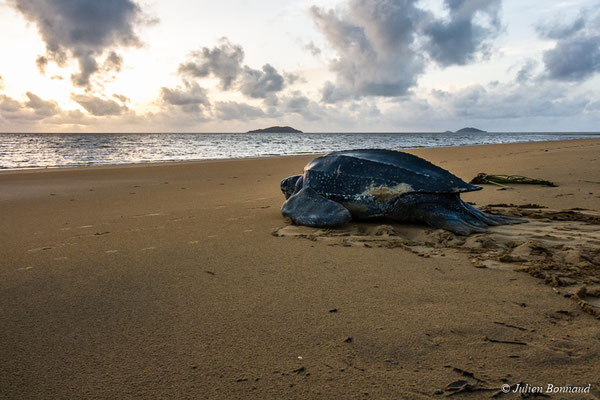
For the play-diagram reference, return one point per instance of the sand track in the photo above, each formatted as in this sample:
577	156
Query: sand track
562	247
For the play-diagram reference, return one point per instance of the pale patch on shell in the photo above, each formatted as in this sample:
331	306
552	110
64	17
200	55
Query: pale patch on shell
385	193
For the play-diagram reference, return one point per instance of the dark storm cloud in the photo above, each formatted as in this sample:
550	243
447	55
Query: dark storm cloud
190	98
81	29
99	107
223	61
458	39
241	111
258	84
382	44
576	54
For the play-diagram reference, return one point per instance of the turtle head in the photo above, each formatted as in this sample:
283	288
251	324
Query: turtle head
289	186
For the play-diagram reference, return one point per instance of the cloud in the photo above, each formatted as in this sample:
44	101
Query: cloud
223	61
99	107
373	41
526	72
8	104
291	78
42	63
190	99
241	111
593	107
113	62
559	29
460	38
258	84
72	118
313	49
122	98
509	101
300	104
82	30
382	45
576	54
32	109
43	108
1	83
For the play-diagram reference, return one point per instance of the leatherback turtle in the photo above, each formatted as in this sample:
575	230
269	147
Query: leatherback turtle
371	183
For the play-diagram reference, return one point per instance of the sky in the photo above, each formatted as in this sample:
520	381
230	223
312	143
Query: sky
317	65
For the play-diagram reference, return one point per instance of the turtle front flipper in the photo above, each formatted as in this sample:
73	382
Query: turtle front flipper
307	207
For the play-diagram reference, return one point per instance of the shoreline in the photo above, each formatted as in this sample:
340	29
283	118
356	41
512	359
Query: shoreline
209	160
302	133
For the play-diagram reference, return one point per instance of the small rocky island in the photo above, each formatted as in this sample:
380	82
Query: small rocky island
470	130
276	129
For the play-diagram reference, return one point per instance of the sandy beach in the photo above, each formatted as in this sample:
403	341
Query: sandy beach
183	280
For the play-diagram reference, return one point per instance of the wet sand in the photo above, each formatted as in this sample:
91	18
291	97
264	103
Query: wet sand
184	281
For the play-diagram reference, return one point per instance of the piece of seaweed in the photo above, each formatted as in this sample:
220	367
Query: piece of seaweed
501	180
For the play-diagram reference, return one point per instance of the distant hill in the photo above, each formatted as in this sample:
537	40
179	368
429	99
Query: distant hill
470	130
276	129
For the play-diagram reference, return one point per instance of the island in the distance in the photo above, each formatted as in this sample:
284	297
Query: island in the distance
470	130
276	129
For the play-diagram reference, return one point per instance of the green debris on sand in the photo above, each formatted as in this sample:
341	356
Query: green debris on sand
502	180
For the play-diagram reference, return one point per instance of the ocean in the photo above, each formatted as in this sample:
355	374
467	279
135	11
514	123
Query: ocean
19	151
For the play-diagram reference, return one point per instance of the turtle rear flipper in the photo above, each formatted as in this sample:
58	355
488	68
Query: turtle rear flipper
307	207
463	219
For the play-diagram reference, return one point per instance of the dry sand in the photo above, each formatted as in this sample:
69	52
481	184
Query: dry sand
184	281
